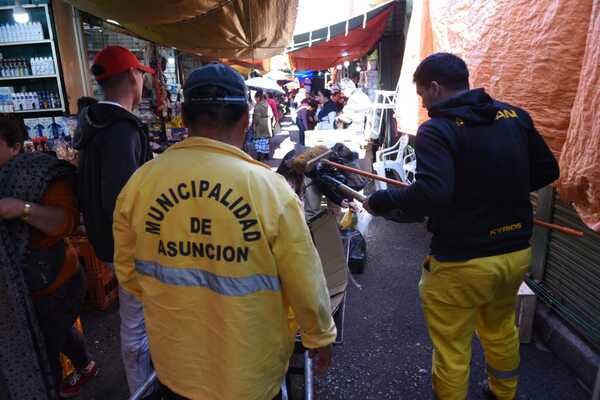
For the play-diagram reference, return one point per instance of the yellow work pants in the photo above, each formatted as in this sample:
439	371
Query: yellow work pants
461	297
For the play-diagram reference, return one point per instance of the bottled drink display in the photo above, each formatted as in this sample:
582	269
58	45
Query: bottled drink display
28	32
42	66
30	101
18	67
14	67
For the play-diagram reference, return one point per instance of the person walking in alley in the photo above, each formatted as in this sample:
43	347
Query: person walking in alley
262	126
478	160
216	247
112	145
302	120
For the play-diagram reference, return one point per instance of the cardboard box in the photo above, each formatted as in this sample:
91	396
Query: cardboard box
328	242
525	313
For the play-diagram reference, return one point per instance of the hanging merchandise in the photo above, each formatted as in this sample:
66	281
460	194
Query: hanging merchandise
159	83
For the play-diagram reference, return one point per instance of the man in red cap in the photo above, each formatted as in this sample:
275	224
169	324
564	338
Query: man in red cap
113	144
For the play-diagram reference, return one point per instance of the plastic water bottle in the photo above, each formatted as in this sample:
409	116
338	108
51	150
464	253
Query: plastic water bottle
54	100
35	66
39	31
29	35
12	31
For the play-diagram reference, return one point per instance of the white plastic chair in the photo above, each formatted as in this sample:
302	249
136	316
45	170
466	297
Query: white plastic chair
400	158
384	100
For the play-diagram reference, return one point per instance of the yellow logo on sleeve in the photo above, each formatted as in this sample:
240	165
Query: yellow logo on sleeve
506	114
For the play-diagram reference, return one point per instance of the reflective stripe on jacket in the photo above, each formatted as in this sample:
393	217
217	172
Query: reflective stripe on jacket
216	246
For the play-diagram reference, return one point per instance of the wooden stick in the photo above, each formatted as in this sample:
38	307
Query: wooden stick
564	229
310	163
365	173
560	228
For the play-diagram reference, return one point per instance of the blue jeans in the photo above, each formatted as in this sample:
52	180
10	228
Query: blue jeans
134	341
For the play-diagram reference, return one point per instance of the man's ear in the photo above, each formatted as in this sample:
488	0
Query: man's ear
131	75
436	89
16	149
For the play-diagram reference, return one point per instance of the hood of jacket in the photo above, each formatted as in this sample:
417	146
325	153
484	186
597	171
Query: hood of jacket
474	107
96	118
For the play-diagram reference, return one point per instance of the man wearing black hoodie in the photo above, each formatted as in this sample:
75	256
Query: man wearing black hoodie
477	161
112	145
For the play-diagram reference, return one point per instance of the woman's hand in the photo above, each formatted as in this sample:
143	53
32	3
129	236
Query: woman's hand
11	208
349	203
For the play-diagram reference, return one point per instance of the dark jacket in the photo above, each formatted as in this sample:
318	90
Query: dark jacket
477	162
112	144
326	109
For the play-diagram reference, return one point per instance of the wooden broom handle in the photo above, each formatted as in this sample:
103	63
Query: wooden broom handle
560	228
365	173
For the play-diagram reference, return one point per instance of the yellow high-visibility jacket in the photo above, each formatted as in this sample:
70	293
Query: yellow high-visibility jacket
216	246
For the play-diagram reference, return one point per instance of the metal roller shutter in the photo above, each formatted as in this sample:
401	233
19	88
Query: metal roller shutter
571	282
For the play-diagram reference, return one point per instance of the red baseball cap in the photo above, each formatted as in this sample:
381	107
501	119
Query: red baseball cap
113	60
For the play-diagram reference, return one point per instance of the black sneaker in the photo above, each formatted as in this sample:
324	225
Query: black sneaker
489	395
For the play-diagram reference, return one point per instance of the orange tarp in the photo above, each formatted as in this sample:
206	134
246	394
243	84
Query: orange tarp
580	159
352	46
529	53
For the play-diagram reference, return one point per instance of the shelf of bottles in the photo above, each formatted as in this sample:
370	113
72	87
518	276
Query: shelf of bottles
30	83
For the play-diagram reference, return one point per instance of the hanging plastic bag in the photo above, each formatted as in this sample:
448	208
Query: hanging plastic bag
363	219
356	250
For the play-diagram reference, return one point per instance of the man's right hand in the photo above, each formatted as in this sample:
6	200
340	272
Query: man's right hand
323	357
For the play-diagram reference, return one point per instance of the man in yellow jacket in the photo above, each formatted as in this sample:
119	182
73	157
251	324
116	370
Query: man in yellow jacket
217	248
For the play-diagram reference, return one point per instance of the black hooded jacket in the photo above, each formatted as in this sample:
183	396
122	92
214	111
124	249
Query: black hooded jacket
112	144
477	162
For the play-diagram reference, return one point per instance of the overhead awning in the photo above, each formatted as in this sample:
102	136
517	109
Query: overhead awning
332	45
237	29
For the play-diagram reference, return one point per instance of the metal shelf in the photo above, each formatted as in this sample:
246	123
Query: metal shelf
12	78
25	43
48	29
39	111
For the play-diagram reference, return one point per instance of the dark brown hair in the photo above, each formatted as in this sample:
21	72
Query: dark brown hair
12	131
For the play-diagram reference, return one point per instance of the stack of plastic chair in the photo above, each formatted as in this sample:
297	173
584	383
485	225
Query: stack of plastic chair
399	159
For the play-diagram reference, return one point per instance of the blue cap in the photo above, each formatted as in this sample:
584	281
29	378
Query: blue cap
219	75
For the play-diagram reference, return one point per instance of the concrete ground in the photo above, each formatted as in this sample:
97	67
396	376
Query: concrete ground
386	353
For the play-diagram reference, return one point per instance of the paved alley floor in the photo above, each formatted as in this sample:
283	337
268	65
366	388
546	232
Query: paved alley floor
386	353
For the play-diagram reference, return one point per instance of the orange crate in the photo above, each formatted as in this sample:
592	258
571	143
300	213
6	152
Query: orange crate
101	280
103	291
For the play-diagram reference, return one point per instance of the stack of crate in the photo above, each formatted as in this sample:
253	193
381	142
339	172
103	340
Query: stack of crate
102	287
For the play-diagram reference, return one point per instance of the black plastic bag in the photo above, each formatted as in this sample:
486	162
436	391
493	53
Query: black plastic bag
355	246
